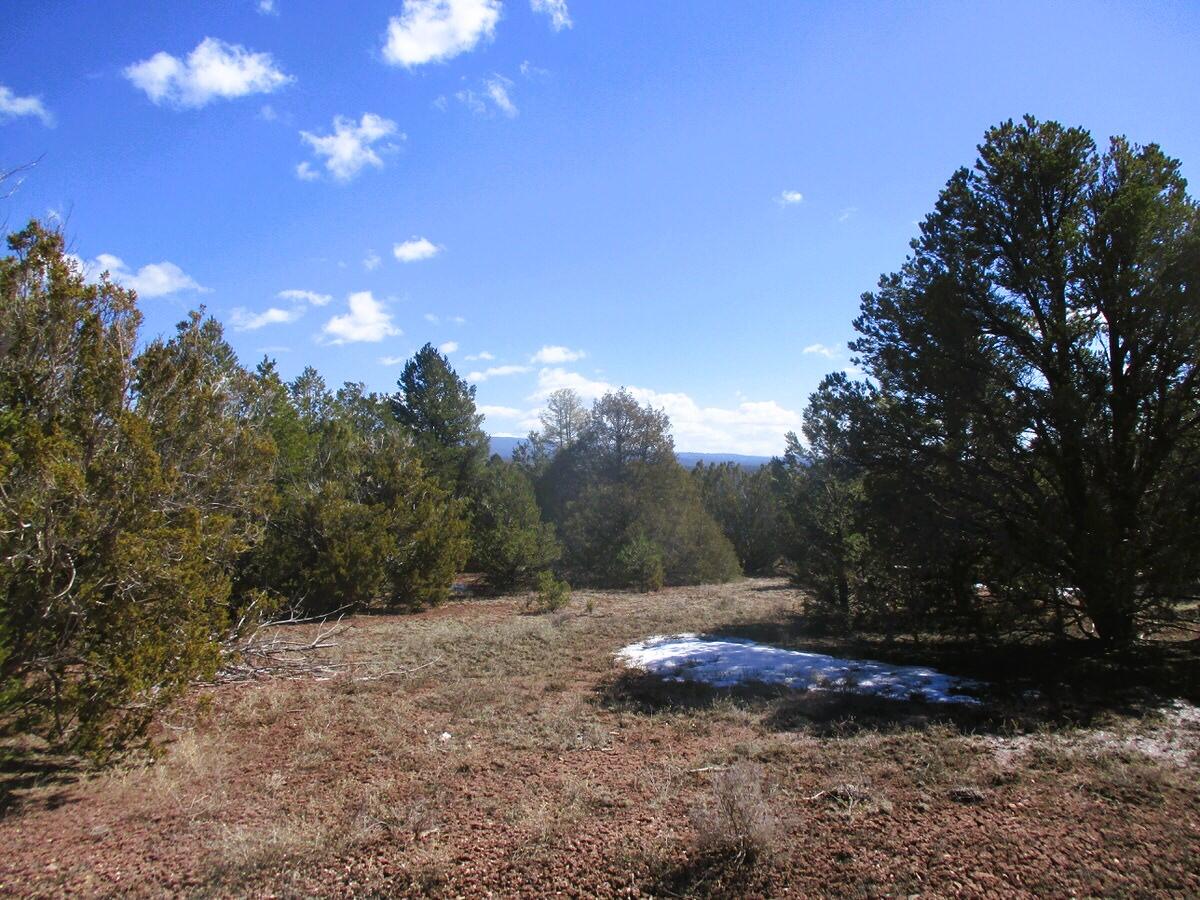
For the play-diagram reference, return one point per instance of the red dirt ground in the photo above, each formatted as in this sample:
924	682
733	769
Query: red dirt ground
562	775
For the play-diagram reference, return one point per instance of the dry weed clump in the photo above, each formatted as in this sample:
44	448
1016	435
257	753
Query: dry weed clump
736	819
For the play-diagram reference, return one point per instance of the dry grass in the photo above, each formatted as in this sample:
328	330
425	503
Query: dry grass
475	748
735	820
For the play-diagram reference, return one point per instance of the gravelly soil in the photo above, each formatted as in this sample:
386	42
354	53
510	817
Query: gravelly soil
511	755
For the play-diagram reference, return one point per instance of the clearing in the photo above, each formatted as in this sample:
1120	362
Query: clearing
473	748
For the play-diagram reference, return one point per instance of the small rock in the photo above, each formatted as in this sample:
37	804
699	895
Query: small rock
966	794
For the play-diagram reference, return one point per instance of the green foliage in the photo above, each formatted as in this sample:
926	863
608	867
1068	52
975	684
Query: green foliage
357	520
511	542
117	538
1031	419
746	504
639	564
438	407
618	489
552	594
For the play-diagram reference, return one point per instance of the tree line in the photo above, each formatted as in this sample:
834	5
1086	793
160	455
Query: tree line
155	495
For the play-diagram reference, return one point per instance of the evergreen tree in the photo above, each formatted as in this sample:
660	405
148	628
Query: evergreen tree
439	408
1037	377
115	581
512	543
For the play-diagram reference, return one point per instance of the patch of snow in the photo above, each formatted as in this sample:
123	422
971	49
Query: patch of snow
724	662
1175	739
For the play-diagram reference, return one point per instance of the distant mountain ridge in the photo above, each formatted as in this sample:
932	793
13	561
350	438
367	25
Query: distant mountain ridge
504	446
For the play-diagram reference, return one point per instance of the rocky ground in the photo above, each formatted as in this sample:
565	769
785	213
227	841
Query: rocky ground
476	749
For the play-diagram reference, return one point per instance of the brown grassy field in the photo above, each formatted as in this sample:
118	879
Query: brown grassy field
507	753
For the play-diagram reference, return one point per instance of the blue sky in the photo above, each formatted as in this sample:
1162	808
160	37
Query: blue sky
683	198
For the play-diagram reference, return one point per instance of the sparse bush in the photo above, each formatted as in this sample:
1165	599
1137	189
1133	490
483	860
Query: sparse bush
736	820
552	594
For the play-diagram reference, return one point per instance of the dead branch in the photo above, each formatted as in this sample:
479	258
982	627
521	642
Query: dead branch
398	672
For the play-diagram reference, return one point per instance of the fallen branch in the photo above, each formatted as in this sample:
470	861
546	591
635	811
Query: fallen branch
398	672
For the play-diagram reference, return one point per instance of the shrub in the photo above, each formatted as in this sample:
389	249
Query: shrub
639	564
511	542
130	485
552	594
736	820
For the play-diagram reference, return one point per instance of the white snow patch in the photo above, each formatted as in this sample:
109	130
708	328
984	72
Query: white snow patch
723	662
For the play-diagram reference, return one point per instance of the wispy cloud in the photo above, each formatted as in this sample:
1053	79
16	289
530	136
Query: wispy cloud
553	355
501	412
350	148
448	348
497	372
371	261
416	249
268	8
493	96
305	297
789	198
214	70
245	320
367	321
560	16
847	214
483	356
392	360
437	30
13	106
821	350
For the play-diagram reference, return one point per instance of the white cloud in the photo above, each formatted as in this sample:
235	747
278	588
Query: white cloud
459	320
151	280
432	318
437	30
497	372
213	70
348	150
754	428
392	360
448	347
416	249
821	350
268	7
529	70
554	355
371	261
847	214
494	92
305	297
560	16
13	106
497	88
367	321
479	357
789	198
245	320
500	412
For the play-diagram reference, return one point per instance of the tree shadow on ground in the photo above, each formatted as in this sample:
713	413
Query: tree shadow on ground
707	875
26	773
1027	686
